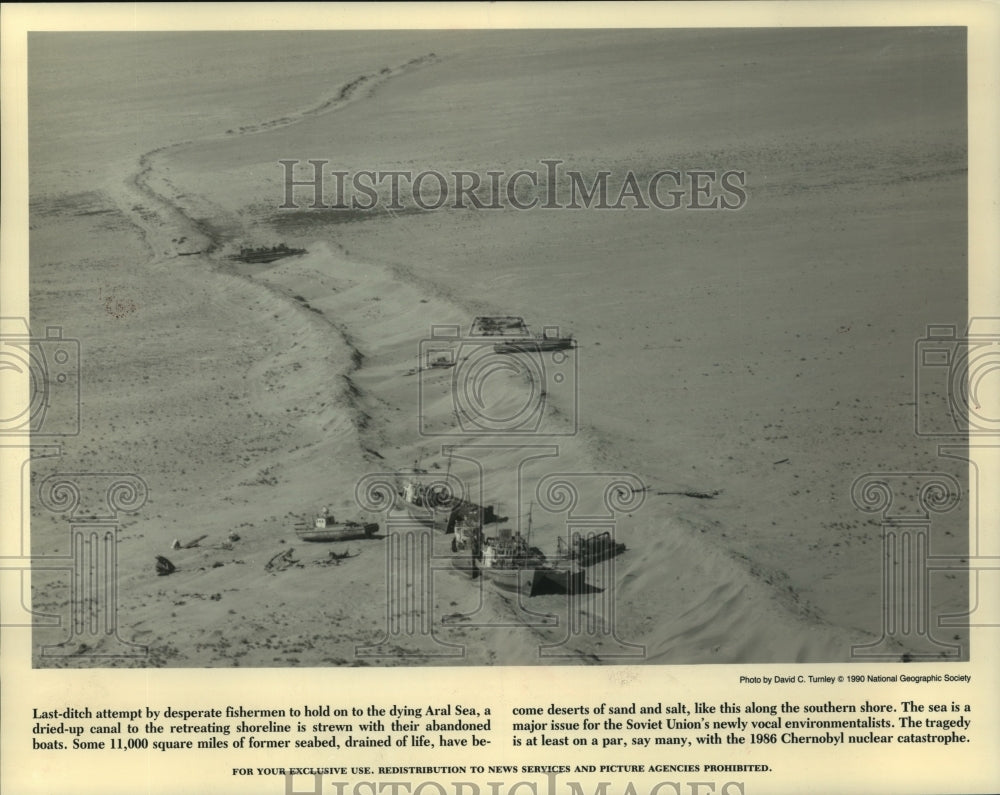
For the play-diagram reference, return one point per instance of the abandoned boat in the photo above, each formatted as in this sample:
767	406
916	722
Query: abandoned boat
326	528
265	254
436	506
590	549
512	566
515	337
432	505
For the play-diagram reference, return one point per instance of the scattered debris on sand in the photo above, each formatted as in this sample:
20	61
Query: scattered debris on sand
698	495
164	566
335	558
281	561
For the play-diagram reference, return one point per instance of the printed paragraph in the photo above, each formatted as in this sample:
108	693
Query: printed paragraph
237	727
731	723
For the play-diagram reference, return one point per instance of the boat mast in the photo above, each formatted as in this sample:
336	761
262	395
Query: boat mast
528	540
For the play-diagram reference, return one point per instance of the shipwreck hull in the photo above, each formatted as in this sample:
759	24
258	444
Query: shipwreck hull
342	532
266	255
466	566
533	345
438	519
538	581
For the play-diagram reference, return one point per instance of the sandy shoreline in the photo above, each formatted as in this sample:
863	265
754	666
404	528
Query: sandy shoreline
244	399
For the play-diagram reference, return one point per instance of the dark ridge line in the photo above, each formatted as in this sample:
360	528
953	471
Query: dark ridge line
343	96
216	240
140	180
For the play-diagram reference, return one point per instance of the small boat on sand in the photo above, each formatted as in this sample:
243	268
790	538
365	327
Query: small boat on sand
515	337
326	528
265	254
534	345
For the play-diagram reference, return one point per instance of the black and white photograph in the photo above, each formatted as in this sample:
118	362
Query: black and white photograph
499	347
490	397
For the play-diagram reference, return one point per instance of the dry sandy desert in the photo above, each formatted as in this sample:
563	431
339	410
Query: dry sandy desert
744	365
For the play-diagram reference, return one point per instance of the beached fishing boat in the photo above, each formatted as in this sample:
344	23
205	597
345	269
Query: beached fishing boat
265	254
590	549
432	505
510	564
513	567
435	506
516	337
467	536
326	528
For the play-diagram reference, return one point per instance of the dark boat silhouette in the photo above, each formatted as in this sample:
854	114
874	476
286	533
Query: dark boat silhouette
266	254
515	337
590	549
435	506
326	528
510	564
